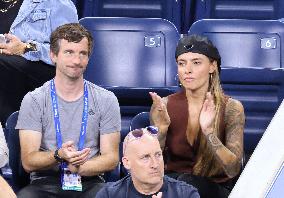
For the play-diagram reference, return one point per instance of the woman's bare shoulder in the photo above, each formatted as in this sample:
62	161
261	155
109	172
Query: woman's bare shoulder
234	104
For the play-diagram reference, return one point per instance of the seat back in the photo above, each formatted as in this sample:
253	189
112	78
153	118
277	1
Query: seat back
243	9
20	177
131	52
141	120
252	67
261	92
166	9
245	43
114	175
231	9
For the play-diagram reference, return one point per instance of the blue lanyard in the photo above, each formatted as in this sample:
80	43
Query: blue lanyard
56	116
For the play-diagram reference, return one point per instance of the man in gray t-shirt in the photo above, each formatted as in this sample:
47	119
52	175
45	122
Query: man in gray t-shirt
69	127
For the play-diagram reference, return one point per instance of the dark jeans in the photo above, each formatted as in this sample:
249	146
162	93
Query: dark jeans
19	76
205	187
50	187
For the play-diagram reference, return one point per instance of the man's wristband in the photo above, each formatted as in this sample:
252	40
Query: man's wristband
57	157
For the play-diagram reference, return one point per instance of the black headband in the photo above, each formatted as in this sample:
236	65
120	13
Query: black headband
190	44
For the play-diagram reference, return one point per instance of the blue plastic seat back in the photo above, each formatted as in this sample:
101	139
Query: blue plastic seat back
20	177
245	43
261	92
242	9
166	9
141	120
231	9
132	52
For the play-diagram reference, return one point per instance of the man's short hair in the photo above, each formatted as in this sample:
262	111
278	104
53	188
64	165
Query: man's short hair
72	32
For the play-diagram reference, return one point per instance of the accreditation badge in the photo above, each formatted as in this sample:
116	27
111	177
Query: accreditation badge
70	181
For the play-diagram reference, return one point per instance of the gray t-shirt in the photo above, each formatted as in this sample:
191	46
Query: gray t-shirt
36	114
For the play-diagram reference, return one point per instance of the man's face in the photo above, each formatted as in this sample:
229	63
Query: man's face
72	59
144	159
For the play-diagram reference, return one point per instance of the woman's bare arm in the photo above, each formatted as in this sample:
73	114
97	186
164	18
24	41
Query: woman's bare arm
230	154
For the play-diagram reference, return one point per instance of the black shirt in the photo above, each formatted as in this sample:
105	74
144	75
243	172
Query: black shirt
124	188
134	193
8	17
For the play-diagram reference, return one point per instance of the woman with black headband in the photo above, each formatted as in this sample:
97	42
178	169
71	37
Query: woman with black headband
200	128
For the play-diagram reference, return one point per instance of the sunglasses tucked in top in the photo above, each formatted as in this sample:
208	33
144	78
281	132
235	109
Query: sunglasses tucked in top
138	133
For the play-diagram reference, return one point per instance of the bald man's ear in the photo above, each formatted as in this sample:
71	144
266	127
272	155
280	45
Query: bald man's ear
126	163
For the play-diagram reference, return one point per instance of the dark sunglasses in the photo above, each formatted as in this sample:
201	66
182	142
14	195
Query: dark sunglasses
138	133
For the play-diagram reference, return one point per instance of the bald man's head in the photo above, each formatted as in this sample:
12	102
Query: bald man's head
143	158
131	143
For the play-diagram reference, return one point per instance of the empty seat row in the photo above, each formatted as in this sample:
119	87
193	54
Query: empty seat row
166	9
182	13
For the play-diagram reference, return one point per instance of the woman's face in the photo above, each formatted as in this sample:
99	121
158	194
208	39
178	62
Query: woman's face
194	70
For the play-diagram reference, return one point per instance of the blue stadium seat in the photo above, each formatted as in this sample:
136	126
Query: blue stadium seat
141	120
166	9
252	67
6	171
261	92
131	57
20	177
245	43
243	9
132	52
233	9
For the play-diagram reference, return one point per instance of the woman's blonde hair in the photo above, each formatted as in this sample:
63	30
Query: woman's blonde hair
206	164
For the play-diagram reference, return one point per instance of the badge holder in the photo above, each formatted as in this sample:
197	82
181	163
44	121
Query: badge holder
69	180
